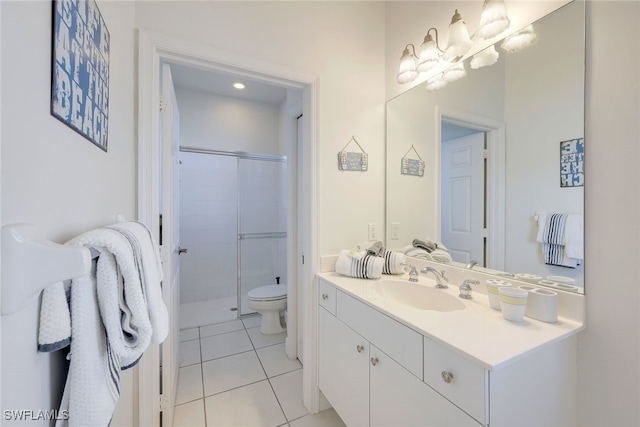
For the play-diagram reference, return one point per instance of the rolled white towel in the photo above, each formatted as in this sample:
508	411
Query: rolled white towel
367	267
442	256
394	262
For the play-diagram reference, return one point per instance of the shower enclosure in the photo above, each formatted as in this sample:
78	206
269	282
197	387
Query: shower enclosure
233	221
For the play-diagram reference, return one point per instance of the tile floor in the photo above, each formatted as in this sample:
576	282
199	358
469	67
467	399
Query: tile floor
232	375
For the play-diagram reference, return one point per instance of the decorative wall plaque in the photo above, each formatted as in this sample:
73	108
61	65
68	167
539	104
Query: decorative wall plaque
410	166
353	161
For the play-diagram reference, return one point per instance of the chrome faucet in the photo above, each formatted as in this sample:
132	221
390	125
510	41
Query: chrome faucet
441	280
465	288
413	274
471	264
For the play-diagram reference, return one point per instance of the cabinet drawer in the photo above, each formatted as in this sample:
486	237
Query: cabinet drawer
401	343
467	384
327	296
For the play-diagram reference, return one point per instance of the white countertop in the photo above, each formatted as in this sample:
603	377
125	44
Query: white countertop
478	332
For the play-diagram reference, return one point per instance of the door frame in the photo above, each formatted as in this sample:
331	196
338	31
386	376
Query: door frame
156	48
495	181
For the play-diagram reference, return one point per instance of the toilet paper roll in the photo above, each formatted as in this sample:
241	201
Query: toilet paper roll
542	304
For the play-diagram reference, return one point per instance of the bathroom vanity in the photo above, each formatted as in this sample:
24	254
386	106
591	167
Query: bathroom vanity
387	361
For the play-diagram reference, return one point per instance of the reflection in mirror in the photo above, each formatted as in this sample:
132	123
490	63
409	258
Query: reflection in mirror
491	145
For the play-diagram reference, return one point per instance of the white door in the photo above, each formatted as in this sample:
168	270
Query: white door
170	241
462	197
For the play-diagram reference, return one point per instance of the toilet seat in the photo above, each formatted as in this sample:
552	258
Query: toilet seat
268	293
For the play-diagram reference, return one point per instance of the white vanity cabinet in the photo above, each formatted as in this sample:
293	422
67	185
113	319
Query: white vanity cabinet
377	371
365	385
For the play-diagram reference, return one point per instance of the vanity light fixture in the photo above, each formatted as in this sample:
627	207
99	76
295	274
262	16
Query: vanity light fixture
436	83
486	57
459	41
493	20
238	85
430	52
455	72
408	65
520	39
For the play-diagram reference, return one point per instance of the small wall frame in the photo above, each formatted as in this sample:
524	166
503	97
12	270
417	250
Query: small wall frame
353	161
572	163
411	166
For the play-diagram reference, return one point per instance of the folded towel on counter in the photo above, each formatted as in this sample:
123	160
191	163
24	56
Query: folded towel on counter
437	255
376	249
394	262
427	245
367	267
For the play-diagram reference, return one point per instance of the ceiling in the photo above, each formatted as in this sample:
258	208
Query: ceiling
221	84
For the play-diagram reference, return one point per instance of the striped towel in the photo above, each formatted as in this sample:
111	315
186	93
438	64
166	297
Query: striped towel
551	233
394	262
367	267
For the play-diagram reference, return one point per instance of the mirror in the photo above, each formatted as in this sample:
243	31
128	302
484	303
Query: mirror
520	112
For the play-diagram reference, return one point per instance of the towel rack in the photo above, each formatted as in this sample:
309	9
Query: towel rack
30	262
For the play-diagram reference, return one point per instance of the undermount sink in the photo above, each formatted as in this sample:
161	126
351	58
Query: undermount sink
417	295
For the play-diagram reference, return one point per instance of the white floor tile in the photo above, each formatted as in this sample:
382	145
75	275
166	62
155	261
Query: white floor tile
221	328
225	345
207	312
254	405
328	418
275	360
260	340
231	372
189	415
189	384
288	388
189	334
189	352
252	322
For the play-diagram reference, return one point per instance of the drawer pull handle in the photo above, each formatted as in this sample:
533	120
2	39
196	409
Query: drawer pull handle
359	348
374	361
325	297
447	377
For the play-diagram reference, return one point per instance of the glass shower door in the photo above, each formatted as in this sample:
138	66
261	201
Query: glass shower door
262	209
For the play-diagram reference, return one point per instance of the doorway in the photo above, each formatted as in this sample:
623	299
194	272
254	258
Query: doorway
155	49
463	193
455	123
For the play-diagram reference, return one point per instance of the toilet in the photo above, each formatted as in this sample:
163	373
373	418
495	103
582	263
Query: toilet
269	301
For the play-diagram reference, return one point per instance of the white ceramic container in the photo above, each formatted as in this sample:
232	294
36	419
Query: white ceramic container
492	291
513	302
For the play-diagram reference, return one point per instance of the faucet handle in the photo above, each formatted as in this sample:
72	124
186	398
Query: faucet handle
465	288
413	274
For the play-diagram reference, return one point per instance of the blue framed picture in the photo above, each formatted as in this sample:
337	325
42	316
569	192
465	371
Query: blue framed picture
80	69
572	163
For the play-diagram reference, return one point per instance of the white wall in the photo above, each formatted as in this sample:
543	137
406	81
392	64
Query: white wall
342	43
228	124
608	353
609	350
56	179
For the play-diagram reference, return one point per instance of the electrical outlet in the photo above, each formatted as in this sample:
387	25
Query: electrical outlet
373	231
395	230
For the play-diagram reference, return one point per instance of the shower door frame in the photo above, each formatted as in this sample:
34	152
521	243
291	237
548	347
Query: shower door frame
241	155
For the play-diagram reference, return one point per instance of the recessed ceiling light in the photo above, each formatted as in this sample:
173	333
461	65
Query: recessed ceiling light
238	85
